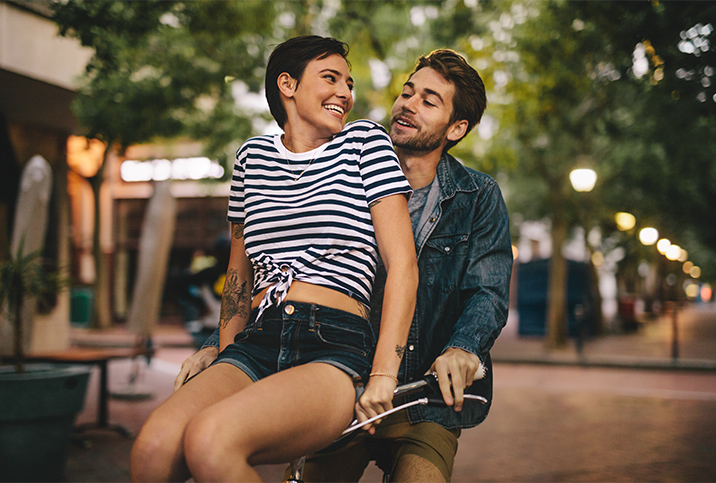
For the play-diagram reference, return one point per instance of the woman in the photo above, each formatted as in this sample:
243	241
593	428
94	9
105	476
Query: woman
307	210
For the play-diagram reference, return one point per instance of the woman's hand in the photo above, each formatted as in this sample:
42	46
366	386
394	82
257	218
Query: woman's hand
194	364
376	399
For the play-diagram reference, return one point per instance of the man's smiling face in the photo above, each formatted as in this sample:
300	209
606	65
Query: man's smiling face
421	114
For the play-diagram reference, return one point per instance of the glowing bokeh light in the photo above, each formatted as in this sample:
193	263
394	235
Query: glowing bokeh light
692	290
686	267
583	180
648	236
673	252
625	221
706	293
663	245
695	272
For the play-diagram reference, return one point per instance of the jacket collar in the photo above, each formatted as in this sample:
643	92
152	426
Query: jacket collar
454	177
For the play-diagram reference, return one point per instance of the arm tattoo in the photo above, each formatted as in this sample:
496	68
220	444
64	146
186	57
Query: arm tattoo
374	203
235	299
238	231
400	350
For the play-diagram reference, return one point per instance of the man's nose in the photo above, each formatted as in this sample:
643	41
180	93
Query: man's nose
409	104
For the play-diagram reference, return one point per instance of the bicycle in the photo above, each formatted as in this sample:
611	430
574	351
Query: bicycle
432	397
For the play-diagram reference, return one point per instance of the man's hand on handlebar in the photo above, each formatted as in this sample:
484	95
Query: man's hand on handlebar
456	369
194	364
376	399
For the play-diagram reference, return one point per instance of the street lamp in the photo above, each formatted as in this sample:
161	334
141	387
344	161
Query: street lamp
663	245
625	221
673	252
583	180
648	236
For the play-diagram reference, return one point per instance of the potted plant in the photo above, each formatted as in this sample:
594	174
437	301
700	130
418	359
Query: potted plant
38	402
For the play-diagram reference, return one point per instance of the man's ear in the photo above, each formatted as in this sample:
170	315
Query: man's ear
457	130
286	84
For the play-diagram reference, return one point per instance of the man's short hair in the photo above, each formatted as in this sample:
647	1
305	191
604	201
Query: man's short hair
292	56
469	101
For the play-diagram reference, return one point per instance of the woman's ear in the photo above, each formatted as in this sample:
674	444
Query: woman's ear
286	84
457	130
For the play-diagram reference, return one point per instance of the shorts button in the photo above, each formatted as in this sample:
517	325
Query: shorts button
289	309
411	347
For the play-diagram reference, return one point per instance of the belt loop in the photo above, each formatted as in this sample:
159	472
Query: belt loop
314	308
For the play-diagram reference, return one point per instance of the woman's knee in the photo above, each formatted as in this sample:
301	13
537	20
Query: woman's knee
158	446
206	446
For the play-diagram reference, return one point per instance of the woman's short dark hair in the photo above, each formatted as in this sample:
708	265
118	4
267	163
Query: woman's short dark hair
292	57
469	101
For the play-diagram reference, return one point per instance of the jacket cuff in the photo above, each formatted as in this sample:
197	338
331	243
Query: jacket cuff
459	341
212	340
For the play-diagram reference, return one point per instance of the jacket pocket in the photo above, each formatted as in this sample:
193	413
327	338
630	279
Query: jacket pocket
446	244
444	257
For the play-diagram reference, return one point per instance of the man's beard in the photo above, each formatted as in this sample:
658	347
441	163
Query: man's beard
423	142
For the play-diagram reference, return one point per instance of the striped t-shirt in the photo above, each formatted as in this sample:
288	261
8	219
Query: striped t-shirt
306	215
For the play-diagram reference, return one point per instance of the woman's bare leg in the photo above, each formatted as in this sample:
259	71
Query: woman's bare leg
277	419
158	452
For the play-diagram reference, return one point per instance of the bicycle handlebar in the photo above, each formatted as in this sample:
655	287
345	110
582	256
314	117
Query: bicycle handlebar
433	397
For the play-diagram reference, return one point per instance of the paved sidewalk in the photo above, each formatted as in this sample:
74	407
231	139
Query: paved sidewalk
139	387
651	347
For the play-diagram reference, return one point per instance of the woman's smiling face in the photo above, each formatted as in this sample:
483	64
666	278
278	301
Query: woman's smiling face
324	96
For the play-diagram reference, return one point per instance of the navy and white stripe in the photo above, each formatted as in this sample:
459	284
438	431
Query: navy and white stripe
316	229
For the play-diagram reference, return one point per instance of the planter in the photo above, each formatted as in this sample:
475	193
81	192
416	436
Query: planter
37	413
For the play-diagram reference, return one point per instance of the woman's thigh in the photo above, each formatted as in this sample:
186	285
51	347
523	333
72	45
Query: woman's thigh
284	416
202	391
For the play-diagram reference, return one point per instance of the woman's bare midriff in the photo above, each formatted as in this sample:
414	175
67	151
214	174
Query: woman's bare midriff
315	294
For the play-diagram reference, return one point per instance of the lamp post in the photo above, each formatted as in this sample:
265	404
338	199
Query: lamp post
583	181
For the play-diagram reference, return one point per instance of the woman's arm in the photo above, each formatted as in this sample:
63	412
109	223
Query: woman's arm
236	297
394	235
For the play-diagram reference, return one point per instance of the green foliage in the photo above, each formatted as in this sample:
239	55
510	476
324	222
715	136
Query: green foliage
21	277
164	69
559	74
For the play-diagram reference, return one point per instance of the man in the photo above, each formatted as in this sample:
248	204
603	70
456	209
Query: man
464	253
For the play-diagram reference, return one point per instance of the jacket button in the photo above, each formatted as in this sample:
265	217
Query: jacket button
411	347
447	249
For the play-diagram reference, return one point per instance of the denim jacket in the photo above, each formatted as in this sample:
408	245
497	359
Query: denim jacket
465	262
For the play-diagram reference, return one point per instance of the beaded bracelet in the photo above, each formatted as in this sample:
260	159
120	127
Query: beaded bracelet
385	374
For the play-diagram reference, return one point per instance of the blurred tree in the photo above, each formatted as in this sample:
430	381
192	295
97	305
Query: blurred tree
614	87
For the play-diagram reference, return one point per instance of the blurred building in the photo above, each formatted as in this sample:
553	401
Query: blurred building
39	71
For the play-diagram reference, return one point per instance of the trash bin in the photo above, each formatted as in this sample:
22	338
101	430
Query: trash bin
532	286
81	306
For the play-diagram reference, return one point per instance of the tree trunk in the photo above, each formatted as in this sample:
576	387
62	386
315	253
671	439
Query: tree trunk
557	288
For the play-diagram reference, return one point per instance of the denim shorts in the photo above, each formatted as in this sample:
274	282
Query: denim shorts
295	333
